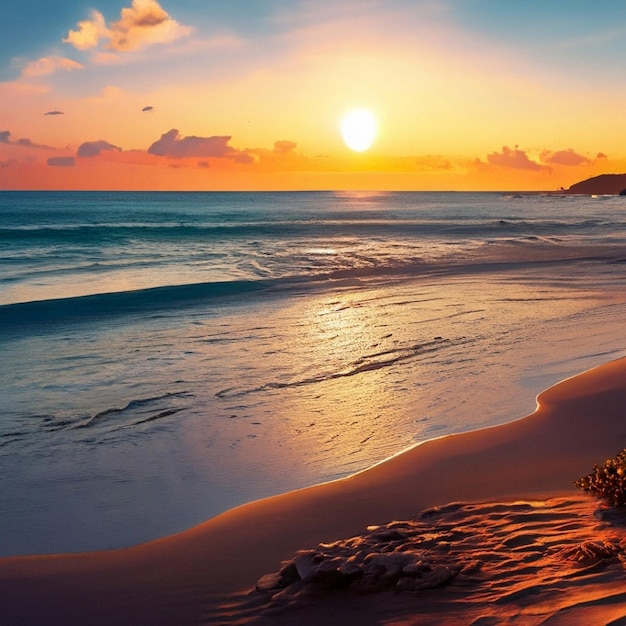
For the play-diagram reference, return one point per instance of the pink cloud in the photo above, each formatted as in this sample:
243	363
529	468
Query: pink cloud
65	161
49	65
564	157
143	24
515	159
172	144
93	148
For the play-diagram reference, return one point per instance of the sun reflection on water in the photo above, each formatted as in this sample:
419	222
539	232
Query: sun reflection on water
324	386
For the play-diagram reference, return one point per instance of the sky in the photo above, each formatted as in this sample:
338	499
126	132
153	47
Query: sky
250	94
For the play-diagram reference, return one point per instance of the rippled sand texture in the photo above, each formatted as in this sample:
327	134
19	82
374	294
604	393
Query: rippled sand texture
482	563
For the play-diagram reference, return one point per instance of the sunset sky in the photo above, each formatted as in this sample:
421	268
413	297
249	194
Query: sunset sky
249	94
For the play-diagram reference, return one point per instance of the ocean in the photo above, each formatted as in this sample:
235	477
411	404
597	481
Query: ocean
168	356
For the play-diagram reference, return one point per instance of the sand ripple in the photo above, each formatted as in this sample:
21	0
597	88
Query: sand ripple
523	562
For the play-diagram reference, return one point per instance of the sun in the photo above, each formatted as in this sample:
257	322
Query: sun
359	129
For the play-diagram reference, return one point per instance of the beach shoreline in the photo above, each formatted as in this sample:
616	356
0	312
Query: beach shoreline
204	574
386	320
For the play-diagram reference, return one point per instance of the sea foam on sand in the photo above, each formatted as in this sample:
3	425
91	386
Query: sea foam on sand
477	528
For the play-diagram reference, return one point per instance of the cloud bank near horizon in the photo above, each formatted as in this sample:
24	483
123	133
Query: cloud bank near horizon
194	151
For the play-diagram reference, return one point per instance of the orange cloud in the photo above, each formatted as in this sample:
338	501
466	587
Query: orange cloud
49	65
89	32
514	159
564	157
143	24
281	147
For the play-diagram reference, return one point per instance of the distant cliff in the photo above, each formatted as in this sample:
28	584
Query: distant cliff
600	185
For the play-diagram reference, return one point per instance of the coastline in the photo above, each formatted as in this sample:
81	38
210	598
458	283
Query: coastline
443	313
195	576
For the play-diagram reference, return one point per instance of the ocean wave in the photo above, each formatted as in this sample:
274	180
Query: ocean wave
495	255
298	229
153	299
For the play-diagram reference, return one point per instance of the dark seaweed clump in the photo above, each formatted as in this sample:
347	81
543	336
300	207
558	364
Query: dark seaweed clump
608	480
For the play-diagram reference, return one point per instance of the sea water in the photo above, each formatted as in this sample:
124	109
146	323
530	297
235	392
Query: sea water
168	356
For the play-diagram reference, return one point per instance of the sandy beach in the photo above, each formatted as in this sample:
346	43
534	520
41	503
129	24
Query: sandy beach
481	528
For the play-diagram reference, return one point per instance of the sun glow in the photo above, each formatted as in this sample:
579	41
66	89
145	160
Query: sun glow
359	129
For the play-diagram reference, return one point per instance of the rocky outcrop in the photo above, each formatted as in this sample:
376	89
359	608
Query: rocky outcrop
605	184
